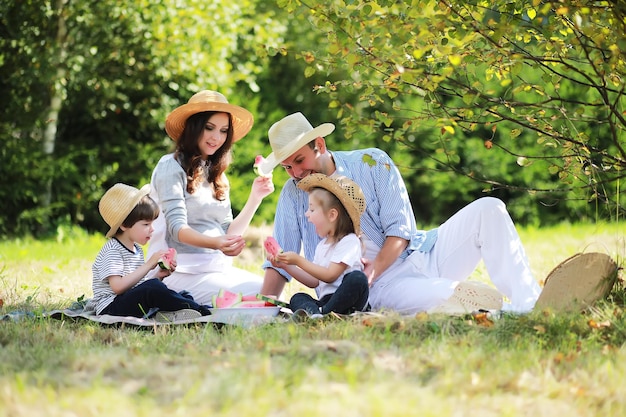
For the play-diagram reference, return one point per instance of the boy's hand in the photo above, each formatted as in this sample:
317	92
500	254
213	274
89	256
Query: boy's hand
164	273
156	256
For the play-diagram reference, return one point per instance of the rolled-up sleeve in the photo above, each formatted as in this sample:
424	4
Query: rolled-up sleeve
388	210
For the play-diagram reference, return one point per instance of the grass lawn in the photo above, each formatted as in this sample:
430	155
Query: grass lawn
540	364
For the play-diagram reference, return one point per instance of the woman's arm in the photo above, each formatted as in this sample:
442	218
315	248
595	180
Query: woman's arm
230	245
261	188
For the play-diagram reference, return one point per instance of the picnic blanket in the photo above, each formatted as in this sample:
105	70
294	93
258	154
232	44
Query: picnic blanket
85	311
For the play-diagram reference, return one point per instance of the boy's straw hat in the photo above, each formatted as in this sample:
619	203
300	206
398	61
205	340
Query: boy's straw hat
287	136
208	100
117	203
346	190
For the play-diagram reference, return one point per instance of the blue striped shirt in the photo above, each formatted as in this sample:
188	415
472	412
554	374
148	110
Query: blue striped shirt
388	208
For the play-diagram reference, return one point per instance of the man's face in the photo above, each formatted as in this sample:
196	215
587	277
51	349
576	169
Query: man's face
303	162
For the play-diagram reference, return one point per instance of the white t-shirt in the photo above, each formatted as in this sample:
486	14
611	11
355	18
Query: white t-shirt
347	251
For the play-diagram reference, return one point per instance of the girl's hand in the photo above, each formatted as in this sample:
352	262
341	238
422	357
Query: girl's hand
275	263
287	258
231	245
262	187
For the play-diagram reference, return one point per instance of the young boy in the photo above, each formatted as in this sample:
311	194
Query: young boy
123	283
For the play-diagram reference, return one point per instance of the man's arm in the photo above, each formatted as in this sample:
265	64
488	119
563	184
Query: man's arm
391	250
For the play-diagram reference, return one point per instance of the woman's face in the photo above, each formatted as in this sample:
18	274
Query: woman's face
214	134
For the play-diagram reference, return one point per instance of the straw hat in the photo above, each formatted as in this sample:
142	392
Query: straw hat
208	100
287	136
469	296
346	190
578	282
117	203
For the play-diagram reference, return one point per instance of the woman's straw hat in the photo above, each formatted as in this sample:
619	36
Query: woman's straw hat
208	100
117	203
287	136
346	190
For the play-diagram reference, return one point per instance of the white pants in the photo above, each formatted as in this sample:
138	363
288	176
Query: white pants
481	230
204	275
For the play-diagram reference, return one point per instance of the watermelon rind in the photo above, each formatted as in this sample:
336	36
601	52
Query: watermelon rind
166	260
249	304
272	301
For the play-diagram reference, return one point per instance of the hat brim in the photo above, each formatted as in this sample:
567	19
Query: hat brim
143	191
242	119
578	282
323	181
275	158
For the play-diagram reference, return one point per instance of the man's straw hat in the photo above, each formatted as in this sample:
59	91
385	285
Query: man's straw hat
208	100
346	190
117	203
287	136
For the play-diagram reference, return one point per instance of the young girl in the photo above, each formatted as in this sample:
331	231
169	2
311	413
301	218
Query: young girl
123	283
192	189
335	207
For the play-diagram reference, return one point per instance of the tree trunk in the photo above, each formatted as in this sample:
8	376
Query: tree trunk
56	100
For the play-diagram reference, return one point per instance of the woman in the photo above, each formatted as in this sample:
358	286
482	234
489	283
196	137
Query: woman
192	191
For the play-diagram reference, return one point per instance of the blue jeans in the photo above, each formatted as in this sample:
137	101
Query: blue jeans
149	297
351	296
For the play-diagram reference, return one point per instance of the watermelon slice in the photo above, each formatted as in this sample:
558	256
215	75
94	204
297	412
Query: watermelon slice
225	299
272	301
272	246
257	162
166	260
229	299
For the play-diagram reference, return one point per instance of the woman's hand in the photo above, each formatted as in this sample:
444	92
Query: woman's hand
262	187
230	245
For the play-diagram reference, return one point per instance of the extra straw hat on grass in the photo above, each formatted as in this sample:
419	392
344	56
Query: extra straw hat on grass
208	100
287	136
346	190
117	203
578	282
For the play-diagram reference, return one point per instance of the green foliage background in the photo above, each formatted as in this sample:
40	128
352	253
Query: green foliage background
114	70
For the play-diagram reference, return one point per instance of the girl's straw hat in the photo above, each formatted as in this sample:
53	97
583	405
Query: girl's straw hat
208	100
117	203
346	190
287	136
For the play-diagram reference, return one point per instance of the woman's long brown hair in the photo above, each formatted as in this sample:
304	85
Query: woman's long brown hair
188	155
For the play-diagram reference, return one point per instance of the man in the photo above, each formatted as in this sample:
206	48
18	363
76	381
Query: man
409	270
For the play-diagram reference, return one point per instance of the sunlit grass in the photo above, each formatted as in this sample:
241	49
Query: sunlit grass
540	364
